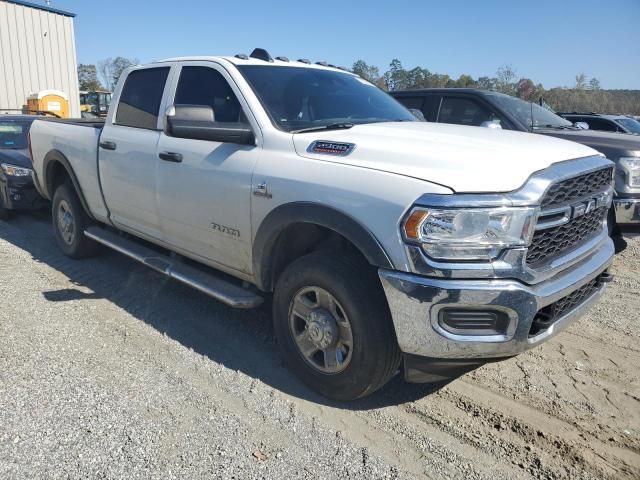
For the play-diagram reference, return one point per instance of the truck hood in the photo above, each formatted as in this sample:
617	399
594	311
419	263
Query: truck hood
465	159
613	145
17	157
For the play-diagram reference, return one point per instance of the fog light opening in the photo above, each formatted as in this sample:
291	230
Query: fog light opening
473	322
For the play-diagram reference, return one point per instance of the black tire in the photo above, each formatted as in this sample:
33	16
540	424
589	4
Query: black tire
375	355
614	230
69	232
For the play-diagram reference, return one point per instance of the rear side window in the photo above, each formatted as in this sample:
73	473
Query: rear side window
411	102
600	124
206	86
464	111
141	96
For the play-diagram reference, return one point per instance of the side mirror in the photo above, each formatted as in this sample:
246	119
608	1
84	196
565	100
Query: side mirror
418	114
582	125
197	122
491	124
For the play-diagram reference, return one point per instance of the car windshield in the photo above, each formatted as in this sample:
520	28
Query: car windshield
630	124
529	114
13	134
305	98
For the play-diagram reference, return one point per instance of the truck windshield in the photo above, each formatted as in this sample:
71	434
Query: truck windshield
13	135
302	98
630	124
523	111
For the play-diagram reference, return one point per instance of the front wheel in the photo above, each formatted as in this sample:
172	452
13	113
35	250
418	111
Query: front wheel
69	223
333	325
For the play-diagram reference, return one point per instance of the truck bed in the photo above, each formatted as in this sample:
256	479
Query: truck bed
75	142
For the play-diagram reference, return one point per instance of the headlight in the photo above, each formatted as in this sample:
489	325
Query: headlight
631	166
469	234
13	171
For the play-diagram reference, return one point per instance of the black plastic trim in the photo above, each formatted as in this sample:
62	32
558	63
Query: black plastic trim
418	369
307	212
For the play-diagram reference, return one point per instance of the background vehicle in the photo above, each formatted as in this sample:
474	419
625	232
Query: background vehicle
476	107
95	103
383	239
16	184
605	123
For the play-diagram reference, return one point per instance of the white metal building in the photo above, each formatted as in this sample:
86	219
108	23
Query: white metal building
37	52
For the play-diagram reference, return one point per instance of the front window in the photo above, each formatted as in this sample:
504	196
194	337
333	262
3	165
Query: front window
630	124
13	135
300	98
529	114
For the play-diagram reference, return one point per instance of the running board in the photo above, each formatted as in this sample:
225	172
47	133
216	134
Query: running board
216	287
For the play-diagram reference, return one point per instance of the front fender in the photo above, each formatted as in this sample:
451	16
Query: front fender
314	213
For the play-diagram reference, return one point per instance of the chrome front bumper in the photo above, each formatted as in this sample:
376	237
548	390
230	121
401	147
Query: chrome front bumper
415	302
627	211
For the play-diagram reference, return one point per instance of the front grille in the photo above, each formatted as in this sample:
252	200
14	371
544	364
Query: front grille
548	315
577	188
552	242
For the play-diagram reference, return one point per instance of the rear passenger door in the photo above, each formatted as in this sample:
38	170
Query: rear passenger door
128	152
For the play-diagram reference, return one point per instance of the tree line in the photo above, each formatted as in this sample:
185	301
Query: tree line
104	75
586	95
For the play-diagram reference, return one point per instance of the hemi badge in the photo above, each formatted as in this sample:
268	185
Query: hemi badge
331	148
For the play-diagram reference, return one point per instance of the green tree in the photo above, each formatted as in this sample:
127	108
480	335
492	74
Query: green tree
466	81
88	77
370	73
396	77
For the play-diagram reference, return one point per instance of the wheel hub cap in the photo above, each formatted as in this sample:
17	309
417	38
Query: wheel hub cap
322	329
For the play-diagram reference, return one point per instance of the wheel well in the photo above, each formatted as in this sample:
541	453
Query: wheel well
300	239
58	171
56	175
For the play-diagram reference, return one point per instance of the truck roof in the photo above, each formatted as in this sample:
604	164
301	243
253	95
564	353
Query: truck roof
479	91
276	62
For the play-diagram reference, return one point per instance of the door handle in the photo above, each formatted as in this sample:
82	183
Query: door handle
107	145
171	156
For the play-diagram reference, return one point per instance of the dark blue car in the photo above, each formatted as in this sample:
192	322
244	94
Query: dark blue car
17	191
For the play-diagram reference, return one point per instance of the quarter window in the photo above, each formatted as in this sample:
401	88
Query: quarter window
139	103
206	86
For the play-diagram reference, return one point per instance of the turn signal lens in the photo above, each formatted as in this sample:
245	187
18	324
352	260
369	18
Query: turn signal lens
413	223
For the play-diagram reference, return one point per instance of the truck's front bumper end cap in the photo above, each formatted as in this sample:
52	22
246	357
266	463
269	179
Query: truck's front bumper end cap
416	302
627	211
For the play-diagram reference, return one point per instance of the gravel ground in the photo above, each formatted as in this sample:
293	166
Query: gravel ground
108	370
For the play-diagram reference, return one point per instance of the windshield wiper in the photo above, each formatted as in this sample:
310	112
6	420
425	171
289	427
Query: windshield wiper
331	126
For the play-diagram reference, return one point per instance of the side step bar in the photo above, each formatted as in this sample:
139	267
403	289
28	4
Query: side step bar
213	286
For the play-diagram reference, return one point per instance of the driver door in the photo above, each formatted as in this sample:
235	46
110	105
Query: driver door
203	186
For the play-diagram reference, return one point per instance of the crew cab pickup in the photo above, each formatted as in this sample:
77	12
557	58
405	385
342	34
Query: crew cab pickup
384	241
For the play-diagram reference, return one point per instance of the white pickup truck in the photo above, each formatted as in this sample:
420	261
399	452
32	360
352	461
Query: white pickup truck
385	241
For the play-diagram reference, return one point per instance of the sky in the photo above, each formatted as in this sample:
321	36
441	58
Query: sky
549	41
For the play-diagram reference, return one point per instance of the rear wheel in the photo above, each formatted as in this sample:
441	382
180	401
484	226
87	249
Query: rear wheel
333	325
69	223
